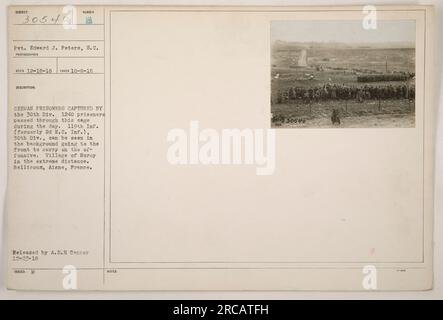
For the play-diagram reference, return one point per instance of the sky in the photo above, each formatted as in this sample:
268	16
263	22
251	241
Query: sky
343	31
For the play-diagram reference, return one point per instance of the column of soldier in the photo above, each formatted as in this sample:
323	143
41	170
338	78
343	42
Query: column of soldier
343	92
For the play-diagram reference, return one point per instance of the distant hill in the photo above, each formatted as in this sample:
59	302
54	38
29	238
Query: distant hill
279	44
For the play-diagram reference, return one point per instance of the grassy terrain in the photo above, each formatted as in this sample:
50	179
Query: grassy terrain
319	114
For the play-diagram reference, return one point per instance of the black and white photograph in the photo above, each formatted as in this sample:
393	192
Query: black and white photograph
227	158
339	74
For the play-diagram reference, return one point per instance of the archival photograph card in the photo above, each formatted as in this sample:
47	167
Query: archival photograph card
220	148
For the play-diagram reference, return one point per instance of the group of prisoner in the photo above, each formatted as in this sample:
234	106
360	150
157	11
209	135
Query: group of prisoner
344	92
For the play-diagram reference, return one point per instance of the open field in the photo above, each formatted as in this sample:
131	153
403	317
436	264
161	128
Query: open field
389	114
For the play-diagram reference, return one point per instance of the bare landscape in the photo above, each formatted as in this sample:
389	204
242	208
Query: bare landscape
338	84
